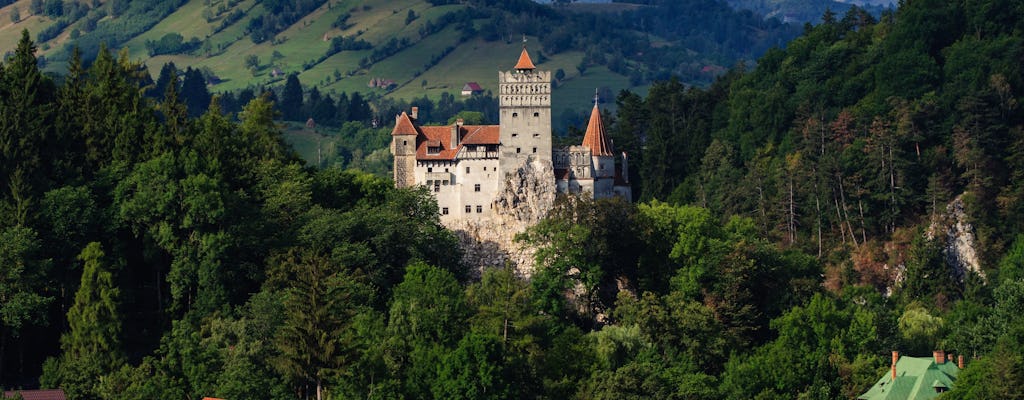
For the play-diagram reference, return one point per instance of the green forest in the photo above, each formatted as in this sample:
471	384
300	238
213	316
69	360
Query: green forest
788	235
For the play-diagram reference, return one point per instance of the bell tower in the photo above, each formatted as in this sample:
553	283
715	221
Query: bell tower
525	114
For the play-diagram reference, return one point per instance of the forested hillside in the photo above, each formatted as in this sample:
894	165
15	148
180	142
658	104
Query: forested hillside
789	235
421	47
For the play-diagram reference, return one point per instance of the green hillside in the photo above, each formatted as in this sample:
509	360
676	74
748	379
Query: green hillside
426	47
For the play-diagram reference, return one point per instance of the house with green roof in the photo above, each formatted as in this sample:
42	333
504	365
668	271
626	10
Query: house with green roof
916	378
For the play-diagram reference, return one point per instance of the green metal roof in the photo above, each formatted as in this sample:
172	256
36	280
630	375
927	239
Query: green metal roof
916	379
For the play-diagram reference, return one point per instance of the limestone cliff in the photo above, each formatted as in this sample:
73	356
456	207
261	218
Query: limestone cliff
525	198
959	249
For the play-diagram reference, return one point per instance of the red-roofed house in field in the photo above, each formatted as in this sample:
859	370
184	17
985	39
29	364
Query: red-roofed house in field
471	88
467	166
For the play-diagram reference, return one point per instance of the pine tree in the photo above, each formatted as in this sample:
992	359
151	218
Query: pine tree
291	99
92	346
25	129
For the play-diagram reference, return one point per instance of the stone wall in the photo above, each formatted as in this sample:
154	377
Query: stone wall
526	196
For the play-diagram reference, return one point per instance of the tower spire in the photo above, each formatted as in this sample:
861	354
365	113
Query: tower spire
596	139
525	63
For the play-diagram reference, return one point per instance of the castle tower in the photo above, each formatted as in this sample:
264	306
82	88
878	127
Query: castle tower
602	159
525	107
403	146
596	139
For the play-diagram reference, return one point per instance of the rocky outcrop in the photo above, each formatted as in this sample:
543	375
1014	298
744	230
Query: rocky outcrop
526	197
959	248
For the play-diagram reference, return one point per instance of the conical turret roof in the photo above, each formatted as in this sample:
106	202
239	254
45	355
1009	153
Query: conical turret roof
524	61
404	126
596	139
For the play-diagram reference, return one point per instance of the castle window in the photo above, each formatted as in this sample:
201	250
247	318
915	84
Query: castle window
444	211
467	170
536	135
430	169
534	149
469	209
479	209
514	115
515	134
476	188
518	150
405	142
536	114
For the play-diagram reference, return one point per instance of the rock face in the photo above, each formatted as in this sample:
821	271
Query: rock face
959	246
525	198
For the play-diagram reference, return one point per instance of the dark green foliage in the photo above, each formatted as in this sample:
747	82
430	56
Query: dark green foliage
475	370
171	43
796	192
92	346
291	100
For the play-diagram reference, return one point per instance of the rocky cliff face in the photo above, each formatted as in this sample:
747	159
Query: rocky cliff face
959	249
526	197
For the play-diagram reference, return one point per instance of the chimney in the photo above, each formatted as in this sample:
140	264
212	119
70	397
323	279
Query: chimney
960	361
415	112
895	358
940	356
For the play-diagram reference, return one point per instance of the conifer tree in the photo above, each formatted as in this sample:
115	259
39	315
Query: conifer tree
24	130
92	346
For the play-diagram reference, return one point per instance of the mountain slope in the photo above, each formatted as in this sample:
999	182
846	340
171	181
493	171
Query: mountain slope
426	47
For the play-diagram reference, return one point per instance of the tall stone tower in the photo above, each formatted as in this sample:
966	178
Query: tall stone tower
403	146
525	106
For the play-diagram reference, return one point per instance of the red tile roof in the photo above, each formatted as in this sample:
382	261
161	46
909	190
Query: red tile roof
441	136
524	61
403	125
481	134
435	136
473	86
45	394
595	139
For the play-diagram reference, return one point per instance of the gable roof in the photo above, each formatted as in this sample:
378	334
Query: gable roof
595	139
916	379
404	126
44	394
472	86
524	61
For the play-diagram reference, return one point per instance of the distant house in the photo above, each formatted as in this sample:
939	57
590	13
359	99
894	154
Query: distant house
916	378
276	72
381	83
471	88
46	394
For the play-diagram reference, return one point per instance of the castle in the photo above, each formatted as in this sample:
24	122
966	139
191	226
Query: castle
465	166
